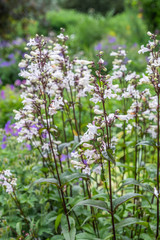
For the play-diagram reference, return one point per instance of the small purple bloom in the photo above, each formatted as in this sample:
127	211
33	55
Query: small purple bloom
123	46
4	138
12	87
115	47
28	146
125	60
0	81
17	82
85	162
98	47
64	157
11	56
8	128
5	64
24	82
3	146
3	94
111	39
135	45
147	59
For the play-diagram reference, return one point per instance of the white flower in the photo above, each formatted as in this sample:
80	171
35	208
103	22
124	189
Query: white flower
143	49
45	146
7	173
83	62
97	111
114	54
130	76
32	42
87	170
101	61
97	170
92	129
123	117
119	125
156	192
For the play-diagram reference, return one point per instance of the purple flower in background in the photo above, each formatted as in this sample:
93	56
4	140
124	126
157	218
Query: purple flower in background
8	128
24	82
115	47
111	39
5	64
98	47
105	63
64	157
44	135
123	46
15	130
11	56
3	146
147	59
18	41
4	44
125	60
3	94
28	146
135	45
17	82
12	87
4	138
0	81
85	162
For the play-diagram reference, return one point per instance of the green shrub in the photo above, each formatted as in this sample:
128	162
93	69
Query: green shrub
9	100
101	6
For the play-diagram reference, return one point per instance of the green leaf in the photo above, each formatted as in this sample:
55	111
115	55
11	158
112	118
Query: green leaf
19	228
147	143
109	237
94	203
68	235
57	222
132	181
108	155
145	236
64	145
129	221
57	237
69	178
118	201
86	236
47	180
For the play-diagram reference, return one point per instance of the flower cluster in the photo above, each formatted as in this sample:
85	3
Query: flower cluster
7	181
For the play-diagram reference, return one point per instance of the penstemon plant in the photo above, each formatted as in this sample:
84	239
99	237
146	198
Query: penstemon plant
93	133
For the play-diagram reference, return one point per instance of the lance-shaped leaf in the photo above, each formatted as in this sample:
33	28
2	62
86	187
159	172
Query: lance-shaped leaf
108	155
57	222
129	221
132	181
118	201
94	203
68	235
47	180
147	143
64	145
86	236
65	179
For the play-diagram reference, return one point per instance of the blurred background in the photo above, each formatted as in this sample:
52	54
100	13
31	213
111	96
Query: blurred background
92	26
